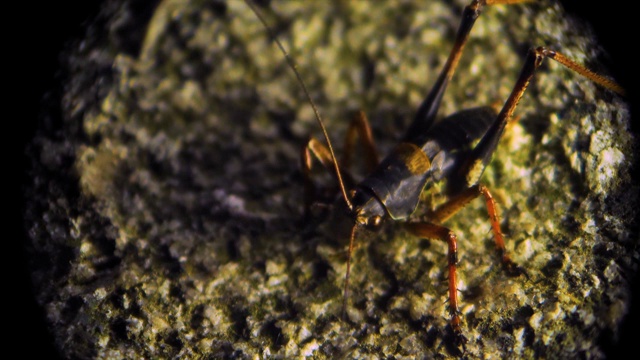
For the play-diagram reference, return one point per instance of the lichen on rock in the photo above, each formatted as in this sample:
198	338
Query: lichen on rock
166	212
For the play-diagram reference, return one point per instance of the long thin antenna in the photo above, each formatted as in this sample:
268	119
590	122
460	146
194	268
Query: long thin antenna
294	67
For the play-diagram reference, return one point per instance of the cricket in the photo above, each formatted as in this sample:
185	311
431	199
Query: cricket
453	151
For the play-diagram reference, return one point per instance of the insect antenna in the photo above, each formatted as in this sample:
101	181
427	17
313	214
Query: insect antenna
294	67
345	296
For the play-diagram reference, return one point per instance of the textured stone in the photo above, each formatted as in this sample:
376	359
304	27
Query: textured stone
166	210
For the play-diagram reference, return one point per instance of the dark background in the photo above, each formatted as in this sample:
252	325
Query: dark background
41	32
38	34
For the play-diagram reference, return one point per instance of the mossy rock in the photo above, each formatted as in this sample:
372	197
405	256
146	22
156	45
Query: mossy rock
166	210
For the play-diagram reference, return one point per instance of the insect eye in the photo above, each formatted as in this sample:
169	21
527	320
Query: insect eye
375	221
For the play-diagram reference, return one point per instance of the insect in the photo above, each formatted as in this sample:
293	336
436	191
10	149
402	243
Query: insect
454	151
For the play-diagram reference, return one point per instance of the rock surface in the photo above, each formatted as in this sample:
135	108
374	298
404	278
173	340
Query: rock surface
166	207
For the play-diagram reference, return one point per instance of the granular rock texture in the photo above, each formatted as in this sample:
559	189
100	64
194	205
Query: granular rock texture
166	208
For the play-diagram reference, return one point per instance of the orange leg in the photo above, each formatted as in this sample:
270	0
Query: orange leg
320	152
433	231
360	127
448	209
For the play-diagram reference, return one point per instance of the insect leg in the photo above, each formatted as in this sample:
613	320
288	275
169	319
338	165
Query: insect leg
434	231
480	156
429	108
292	65
460	200
360	127
322	153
